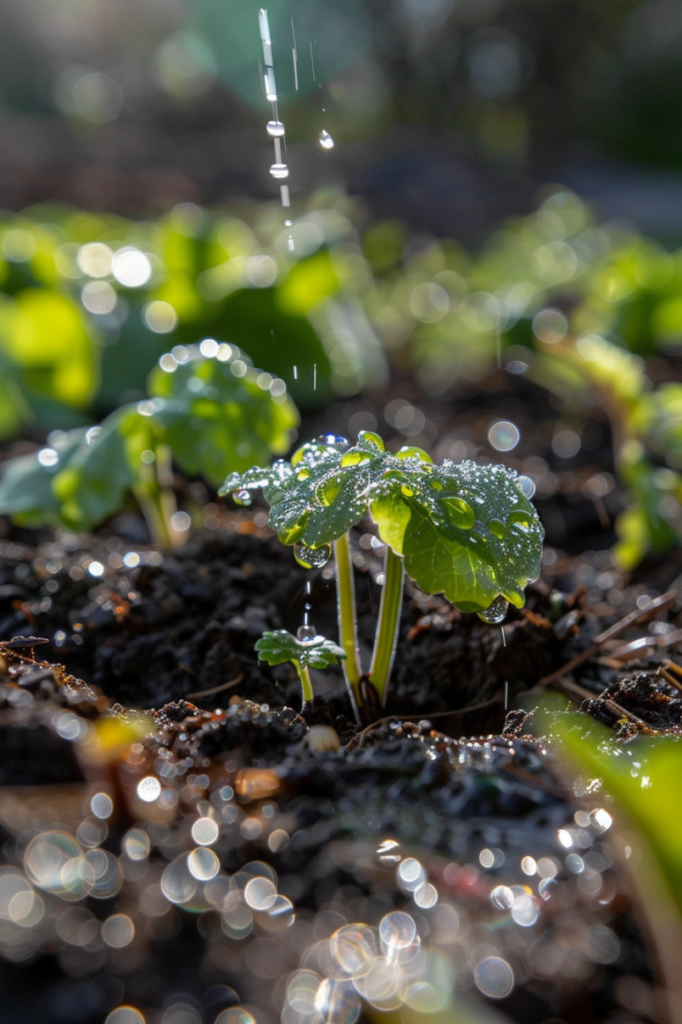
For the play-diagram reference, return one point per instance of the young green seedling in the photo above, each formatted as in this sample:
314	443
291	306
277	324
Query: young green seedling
280	645
465	530
206	414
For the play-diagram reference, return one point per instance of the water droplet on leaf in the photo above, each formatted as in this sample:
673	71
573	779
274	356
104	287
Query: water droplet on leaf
495	612
496	528
303	473
312	558
460	512
368	439
332	440
519	521
407	491
354	457
412	452
328	490
306	633
242	497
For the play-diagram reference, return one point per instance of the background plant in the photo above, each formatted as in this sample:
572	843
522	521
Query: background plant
208	410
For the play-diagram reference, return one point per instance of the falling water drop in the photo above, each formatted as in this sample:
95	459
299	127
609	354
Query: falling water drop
312	558
326	141
275	129
306	633
290	244
242	497
279	171
495	612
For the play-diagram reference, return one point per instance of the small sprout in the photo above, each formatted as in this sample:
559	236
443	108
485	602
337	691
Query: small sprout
305	652
464	530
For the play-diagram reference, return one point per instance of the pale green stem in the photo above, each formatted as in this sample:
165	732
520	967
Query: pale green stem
306	683
389	621
348	631
156	499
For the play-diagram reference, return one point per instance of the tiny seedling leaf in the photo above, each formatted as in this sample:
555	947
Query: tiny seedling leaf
280	645
465	530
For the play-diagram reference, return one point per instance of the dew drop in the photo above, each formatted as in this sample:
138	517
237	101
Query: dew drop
496	528
306	633
312	558
460	512
279	171
242	497
407	491
328	490
275	129
332	440
326	141
303	473
412	452
495	612
519	521
368	438
354	457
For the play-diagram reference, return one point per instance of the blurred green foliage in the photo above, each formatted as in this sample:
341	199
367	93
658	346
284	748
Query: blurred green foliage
209	411
90	302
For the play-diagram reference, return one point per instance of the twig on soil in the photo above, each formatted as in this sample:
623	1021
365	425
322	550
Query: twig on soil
634	618
666	670
217	689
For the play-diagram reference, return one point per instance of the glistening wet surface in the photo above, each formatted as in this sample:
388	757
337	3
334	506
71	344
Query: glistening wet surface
210	867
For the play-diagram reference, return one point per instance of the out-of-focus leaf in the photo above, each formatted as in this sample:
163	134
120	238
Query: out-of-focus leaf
221	415
253	319
44	334
26	484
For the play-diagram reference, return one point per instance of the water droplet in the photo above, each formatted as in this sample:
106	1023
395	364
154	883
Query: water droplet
326	141
303	473
519	521
436	485
275	129
495	612
290	534
279	171
355	457
407	491
412	452
306	633
368	439
460	512
332	440
242	497
328	490
312	558
496	528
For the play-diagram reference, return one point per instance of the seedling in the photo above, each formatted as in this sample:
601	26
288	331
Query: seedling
207	414
304	652
465	530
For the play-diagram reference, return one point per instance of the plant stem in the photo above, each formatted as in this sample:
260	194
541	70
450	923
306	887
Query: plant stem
306	683
348	631
156	499
389	621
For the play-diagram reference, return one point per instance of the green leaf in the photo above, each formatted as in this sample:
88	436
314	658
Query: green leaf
26	486
280	645
94	483
220	414
465	530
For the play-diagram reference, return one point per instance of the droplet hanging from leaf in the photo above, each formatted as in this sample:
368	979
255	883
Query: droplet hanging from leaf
312	558
495	612
242	497
306	633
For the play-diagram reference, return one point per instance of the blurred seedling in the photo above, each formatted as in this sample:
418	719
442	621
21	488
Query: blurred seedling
465	530
208	415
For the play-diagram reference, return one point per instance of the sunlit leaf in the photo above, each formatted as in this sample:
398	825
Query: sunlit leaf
280	645
463	529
